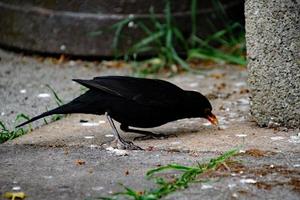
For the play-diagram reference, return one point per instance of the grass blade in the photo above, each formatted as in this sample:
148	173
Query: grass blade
7	134
180	61
178	34
58	100
154	20
216	55
3	127
167	167
146	41
165	187
194	21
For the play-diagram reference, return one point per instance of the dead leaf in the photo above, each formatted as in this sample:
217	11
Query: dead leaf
14	195
256	153
79	162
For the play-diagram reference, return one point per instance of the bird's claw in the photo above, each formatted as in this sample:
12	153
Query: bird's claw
154	136
122	144
127	145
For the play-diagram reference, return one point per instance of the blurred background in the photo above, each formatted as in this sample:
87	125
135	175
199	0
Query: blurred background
177	32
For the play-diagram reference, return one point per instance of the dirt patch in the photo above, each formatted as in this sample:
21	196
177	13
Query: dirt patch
294	183
289	177
257	153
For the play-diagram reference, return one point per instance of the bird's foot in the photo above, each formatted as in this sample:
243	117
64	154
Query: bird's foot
127	145
152	136
123	144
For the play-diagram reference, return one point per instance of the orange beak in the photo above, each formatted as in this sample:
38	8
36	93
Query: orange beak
213	119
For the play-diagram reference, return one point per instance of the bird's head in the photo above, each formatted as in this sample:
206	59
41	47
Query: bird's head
201	107
210	117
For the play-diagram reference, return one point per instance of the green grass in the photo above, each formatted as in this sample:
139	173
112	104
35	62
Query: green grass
59	102
117	28
165	187
57	99
162	39
231	48
9	134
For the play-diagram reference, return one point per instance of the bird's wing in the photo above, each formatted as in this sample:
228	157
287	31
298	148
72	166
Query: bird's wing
151	92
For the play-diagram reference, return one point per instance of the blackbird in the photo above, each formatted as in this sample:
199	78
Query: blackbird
135	102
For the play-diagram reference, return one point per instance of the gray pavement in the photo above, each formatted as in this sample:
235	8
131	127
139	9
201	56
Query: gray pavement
45	163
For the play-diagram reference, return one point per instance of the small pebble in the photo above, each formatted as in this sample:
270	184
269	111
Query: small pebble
118	152
16	188
23	91
97	188
206	186
241	135
277	138
240	84
43	95
249	180
89	137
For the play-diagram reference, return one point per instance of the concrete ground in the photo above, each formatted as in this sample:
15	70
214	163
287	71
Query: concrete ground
66	159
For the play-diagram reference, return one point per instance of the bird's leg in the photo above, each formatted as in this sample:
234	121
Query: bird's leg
121	143
147	134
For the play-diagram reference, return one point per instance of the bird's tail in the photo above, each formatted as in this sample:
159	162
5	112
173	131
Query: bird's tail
64	109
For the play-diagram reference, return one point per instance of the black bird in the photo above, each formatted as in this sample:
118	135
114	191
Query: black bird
135	102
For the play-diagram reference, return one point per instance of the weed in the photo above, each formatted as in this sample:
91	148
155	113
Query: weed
232	48
6	134
58	101
165	187
117	27
162	39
